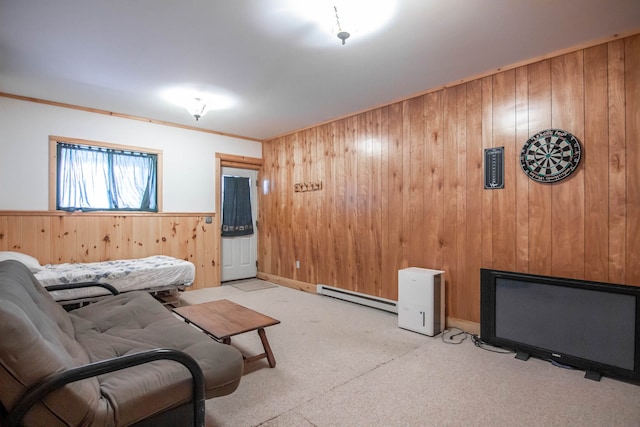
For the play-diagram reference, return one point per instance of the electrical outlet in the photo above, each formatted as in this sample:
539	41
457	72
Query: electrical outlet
297	263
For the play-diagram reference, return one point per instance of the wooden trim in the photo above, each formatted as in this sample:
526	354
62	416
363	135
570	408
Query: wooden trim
218	220
231	161
123	116
243	162
57	138
560	52
53	164
53	174
289	283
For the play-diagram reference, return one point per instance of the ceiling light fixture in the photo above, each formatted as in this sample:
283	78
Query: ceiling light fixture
342	35
197	107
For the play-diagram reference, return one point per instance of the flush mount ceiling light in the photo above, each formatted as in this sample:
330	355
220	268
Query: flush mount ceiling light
197	107
199	101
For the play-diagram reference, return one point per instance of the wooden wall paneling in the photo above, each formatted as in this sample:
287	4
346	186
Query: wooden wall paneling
568	210
64	245
595	161
287	266
103	225
433	211
469	295
632	87
119	241
369	130
206	244
25	241
191	237
298	236
268	210
387	267
353	241
617	162
276	217
363	236
486	256
174	236
459	290
55	238
145	236
326	266
273	216
450	184
313	173
88	238
521	180
378	175
304	200
394	205
539	75
405	183
339	209
414	136
4	233
504	202
14	234
198	250
36	237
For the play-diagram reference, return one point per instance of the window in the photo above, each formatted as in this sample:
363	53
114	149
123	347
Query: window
96	176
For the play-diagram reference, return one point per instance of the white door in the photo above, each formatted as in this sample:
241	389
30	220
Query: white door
240	253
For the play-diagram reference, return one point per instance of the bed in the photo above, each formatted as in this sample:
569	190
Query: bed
159	275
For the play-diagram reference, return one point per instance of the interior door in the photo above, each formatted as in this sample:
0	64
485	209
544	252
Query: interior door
240	253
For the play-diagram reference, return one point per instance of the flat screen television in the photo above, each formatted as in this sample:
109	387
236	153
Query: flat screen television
587	325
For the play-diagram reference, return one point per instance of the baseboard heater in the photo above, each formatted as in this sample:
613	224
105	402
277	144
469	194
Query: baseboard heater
358	298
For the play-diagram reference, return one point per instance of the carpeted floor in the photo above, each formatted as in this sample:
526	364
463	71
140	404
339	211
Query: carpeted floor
341	364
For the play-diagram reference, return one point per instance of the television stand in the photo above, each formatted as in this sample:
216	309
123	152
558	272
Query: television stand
593	375
520	355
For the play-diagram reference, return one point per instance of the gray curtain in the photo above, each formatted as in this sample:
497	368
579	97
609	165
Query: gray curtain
236	207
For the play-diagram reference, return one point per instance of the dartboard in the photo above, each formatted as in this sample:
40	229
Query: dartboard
550	155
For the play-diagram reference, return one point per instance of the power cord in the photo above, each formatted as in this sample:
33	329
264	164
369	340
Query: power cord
450	338
477	341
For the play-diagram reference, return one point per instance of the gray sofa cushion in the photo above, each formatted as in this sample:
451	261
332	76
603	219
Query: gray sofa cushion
39	338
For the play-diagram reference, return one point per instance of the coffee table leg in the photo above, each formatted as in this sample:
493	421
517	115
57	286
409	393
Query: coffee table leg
267	348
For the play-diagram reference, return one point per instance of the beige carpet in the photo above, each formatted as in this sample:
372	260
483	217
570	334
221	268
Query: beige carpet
341	364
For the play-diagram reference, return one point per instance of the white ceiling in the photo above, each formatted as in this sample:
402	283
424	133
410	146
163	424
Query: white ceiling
282	71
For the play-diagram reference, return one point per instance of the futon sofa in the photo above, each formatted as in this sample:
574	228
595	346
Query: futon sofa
124	360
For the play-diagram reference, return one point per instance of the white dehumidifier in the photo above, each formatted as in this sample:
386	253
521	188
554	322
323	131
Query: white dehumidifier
421	300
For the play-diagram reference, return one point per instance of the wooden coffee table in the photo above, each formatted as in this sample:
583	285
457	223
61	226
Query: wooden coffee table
223	319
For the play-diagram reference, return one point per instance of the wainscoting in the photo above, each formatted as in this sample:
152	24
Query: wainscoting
57	237
402	185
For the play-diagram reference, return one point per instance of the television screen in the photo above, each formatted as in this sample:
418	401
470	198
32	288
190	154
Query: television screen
588	325
592	325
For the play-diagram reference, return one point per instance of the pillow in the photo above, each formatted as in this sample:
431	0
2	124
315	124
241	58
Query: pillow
31	263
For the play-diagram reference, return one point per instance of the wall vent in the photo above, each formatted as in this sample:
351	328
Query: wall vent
358	298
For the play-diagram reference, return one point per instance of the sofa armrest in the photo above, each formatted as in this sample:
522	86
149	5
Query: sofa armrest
62	287
39	391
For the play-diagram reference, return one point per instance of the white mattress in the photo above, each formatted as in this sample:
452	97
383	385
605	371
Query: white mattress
151	273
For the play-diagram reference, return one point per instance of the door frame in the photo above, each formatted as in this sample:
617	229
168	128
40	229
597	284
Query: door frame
232	161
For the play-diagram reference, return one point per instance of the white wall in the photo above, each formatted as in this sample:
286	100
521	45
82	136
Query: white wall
189	156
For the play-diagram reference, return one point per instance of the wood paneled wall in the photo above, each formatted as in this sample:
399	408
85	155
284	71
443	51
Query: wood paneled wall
54	237
403	184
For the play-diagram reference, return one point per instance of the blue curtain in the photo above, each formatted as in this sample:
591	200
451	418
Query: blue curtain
93	178
236	207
